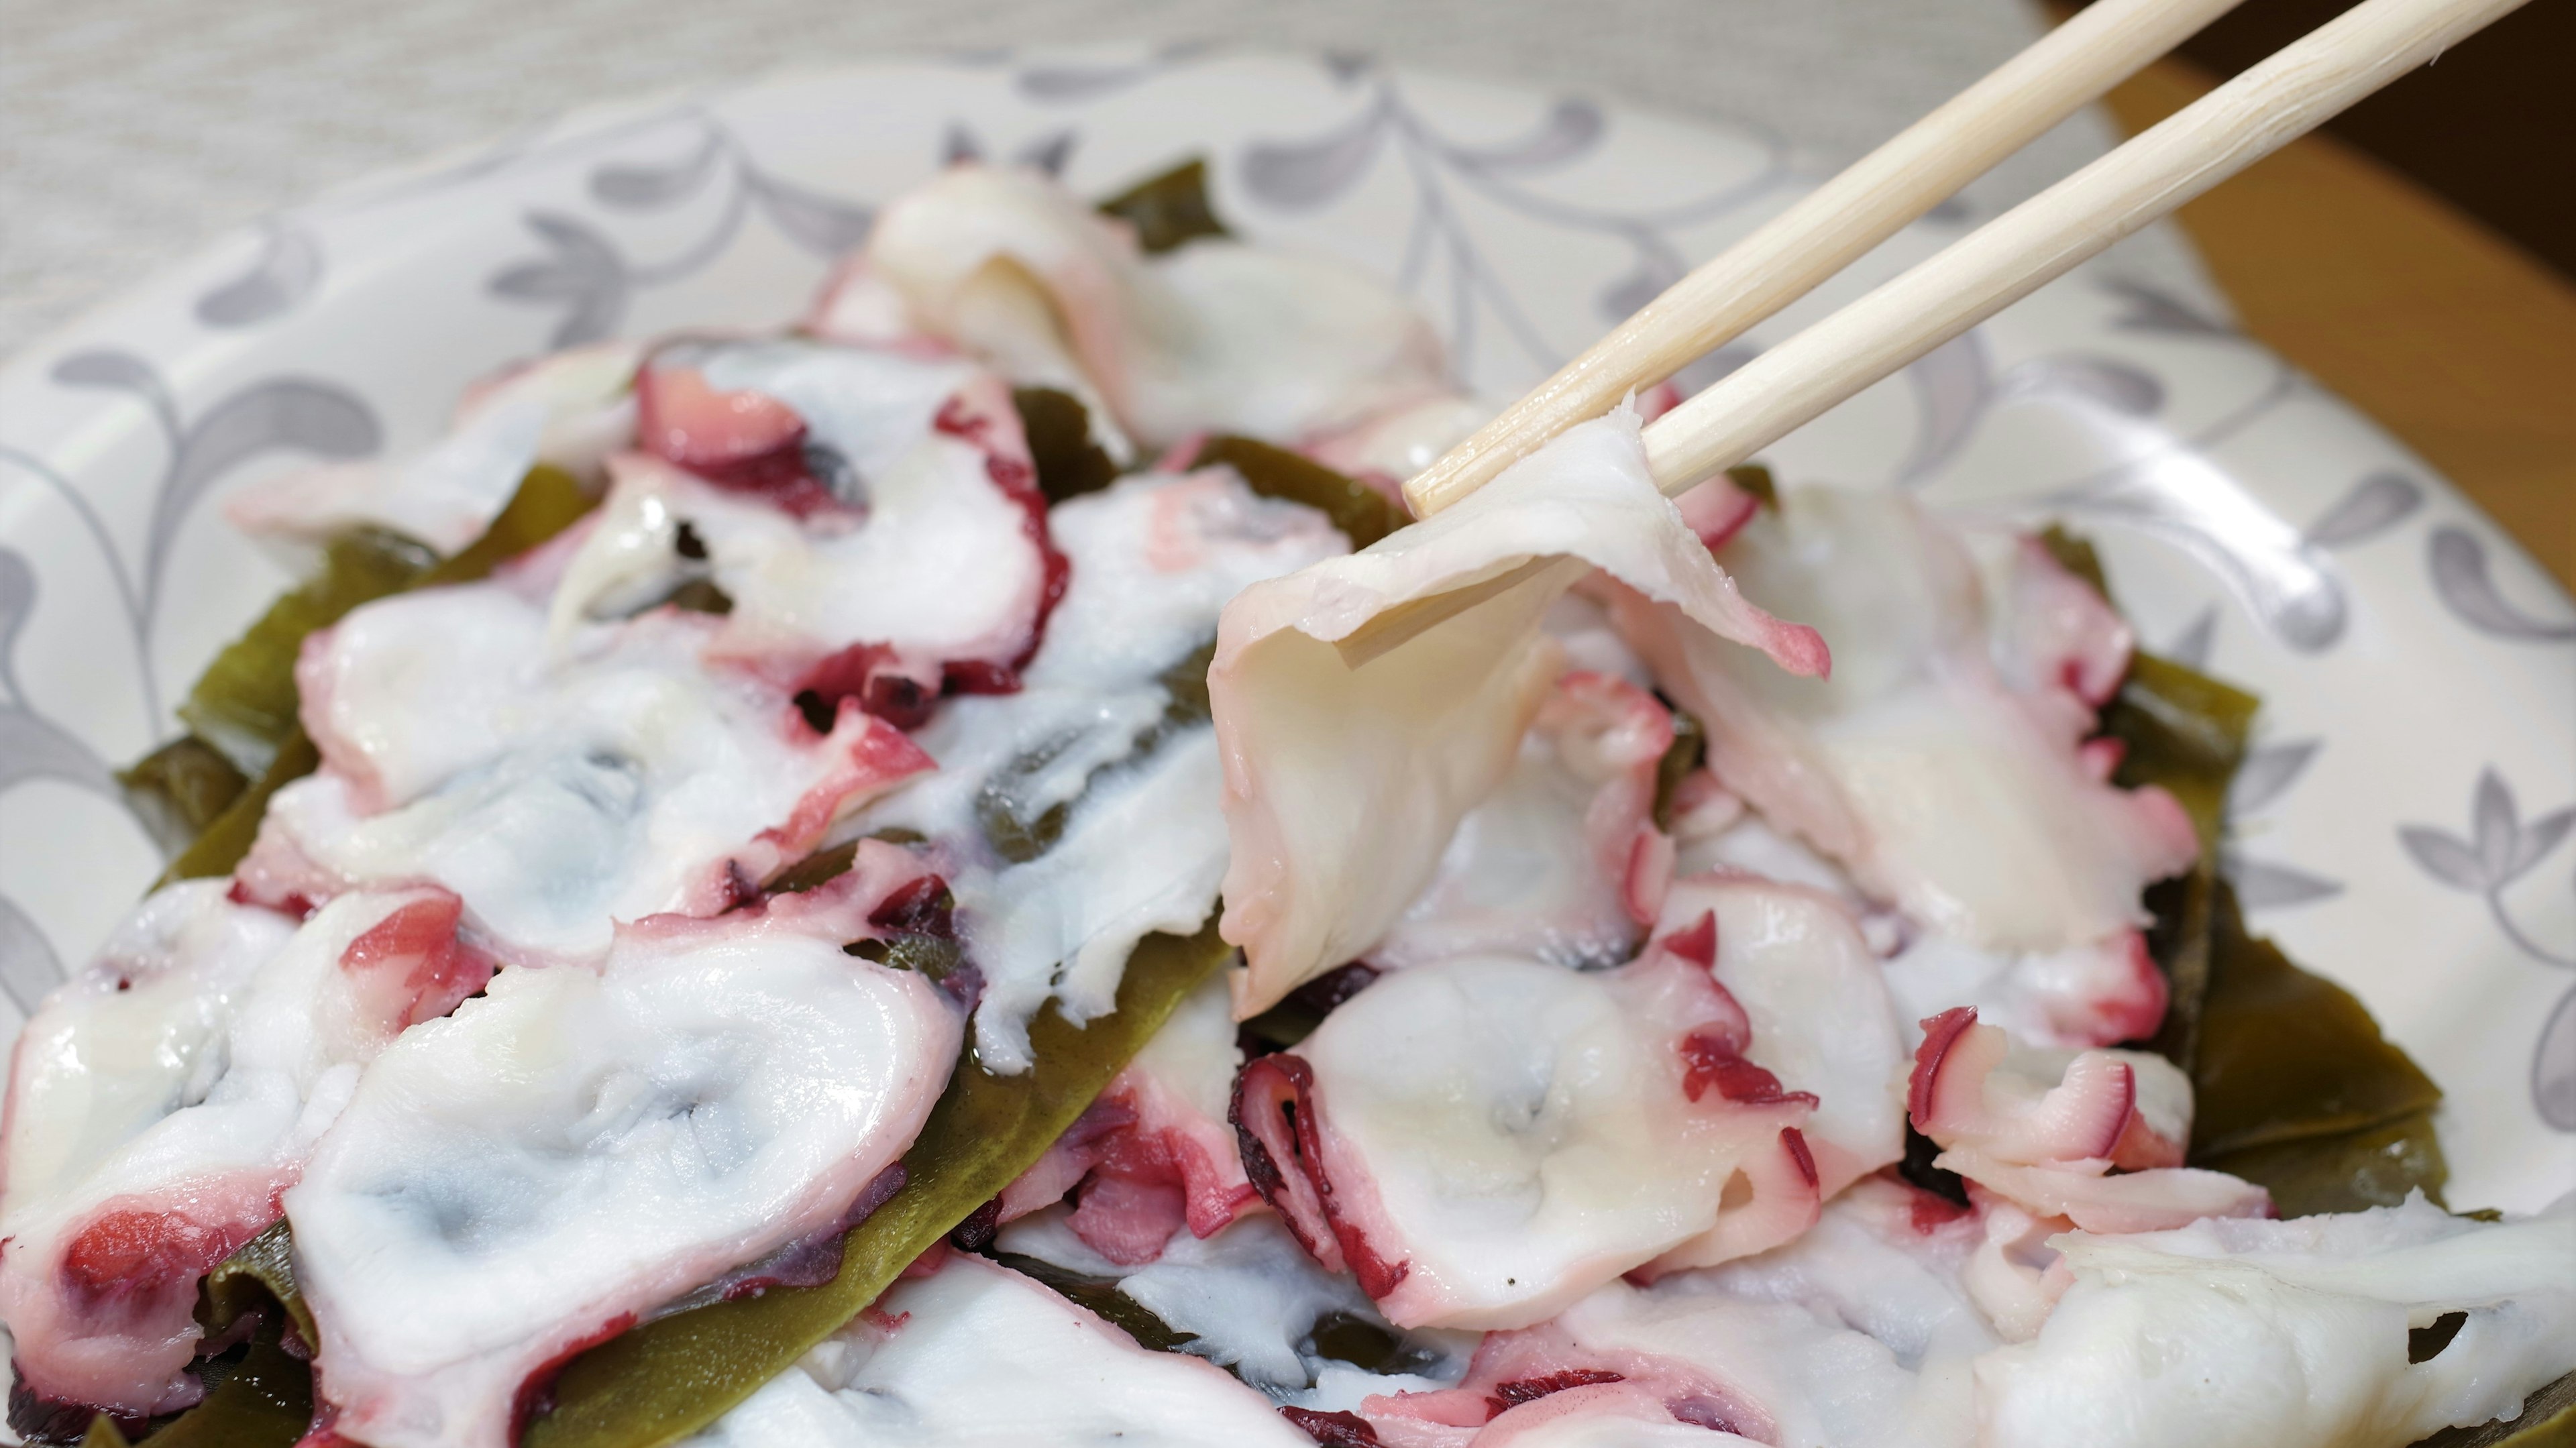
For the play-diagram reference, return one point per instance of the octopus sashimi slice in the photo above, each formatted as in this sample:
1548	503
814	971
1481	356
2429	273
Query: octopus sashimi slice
1154	1155
574	1150
1483	1140
2093	1137
1816	1019
1079	814
1562	861
2291	1332
1627	1365
975	1355
1215	336
569	409
556	790
872	519
1944	764
1885	1258
153	1126
1345	780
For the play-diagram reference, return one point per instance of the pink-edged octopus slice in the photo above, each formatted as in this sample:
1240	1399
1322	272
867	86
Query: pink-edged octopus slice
2094	1137
1155	1154
2290	1332
872	518
568	409
163	1099
1944	764
1563	860
555	789
1816	1021
573	1151
1345	782
1484	1139
1215	336
975	1355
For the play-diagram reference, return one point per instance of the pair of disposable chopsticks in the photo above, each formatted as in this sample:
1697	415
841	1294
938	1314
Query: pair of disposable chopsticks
2225	131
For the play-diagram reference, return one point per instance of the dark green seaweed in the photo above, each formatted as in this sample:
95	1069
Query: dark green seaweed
1687	751
1058	427
1756	479
1362	513
1101	1296
259	1273
1168	210
180	788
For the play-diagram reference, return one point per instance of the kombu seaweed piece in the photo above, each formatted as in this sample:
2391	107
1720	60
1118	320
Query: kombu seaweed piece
2186	733
180	788
1069	463
2182	730
1100	1295
1362	513
1756	479
225	841
1687	752
673	1376
1285	1025
2286	1055
2343	1171
259	1274
1168	210
244	703
256	667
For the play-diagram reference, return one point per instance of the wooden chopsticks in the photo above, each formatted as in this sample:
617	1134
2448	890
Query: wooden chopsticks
2266	107
1828	228
2222	133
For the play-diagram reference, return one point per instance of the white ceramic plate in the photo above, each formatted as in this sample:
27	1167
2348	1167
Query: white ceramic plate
2404	827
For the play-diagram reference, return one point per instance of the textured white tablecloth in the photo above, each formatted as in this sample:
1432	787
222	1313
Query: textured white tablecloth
132	131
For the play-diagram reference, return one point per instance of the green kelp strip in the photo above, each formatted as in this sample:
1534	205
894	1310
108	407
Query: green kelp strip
1168	210
1069	463
1362	513
2297	1090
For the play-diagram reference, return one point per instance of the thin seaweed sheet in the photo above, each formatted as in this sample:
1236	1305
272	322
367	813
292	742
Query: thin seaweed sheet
1170	209
1362	513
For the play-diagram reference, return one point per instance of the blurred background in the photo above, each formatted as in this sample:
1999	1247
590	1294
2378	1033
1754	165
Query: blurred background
2420	257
